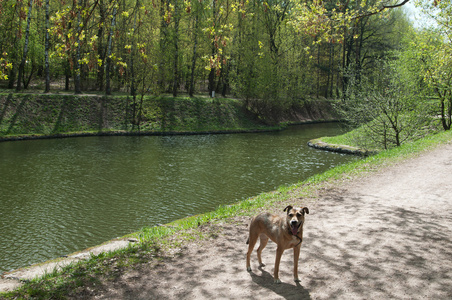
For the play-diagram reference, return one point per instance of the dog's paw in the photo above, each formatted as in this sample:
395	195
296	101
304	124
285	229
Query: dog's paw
297	279
277	281
248	269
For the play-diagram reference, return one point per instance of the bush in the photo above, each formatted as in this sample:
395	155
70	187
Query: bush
388	109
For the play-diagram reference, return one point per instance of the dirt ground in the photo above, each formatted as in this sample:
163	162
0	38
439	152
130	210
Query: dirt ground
385	236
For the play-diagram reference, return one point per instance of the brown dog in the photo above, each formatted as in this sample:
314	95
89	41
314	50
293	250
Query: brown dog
285	231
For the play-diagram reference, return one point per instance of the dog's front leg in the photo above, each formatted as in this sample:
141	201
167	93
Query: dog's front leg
296	256
262	244
279	252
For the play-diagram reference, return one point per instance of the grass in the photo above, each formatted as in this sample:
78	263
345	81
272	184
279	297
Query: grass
348	138
156	241
38	115
356	138
359	138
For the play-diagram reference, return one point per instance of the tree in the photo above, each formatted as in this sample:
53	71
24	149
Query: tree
24	56
4	66
197	8
331	20
5	41
78	42
47	38
433	48
386	107
177	16
100	45
13	13
271	53
110	48
218	31
433	56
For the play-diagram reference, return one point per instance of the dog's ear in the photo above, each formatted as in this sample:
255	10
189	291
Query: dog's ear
305	210
288	208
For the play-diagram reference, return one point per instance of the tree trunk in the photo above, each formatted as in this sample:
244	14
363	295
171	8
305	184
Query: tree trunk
176	49
211	86
225	73
449	112
100	47
47	67
77	83
14	57
329	79
24	56
193	61
318	70
109	52
344	47
332	70
132	52
163	45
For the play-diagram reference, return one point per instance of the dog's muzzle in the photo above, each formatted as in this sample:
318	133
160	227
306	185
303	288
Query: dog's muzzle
294	227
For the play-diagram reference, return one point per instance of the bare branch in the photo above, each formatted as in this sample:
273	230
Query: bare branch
382	9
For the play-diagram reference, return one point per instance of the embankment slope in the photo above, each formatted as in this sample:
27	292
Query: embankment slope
25	116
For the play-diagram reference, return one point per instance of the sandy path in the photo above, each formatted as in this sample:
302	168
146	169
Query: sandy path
387	236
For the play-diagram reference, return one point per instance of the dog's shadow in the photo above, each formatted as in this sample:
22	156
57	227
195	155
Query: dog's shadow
285	290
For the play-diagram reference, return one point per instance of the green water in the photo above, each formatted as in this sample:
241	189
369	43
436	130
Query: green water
63	195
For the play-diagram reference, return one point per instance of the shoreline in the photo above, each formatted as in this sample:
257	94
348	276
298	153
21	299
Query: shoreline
12	280
319	144
37	116
62	135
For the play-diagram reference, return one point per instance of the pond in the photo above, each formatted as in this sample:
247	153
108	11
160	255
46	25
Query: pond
59	196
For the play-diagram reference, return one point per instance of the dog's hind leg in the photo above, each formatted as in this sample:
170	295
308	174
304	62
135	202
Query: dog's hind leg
263	242
251	243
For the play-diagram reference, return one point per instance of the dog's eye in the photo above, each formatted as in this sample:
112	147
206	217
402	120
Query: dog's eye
291	215
299	214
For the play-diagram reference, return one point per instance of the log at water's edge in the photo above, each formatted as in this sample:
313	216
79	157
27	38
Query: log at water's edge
318	144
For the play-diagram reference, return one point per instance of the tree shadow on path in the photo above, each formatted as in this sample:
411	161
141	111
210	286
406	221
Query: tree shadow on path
369	246
208	269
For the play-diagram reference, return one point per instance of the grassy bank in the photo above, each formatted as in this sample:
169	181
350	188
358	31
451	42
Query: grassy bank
157	242
37	114
25	116
359	141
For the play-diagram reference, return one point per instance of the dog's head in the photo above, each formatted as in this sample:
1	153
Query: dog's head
295	218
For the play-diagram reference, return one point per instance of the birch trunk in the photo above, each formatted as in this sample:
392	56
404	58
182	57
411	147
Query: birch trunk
193	61
24	57
109	52
77	84
176	49
47	67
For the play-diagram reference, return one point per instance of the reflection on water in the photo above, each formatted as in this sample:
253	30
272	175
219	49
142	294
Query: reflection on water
63	195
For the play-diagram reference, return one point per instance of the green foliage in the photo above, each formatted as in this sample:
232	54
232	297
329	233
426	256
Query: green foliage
386	107
330	20
431	54
252	50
